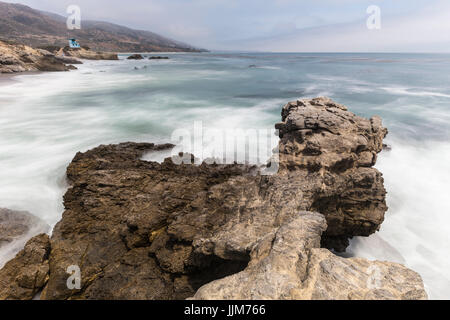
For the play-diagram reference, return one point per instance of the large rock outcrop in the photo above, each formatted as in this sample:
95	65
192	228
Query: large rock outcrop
135	57
289	264
20	58
323	142
83	53
147	230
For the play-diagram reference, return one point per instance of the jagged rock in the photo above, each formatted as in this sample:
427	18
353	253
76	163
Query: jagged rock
288	264
323	142
130	218
20	58
84	53
147	230
24	276
135	57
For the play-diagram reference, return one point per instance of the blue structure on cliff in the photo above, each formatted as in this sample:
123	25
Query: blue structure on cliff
74	44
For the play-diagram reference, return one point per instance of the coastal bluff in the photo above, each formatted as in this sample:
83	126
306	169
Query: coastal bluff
16	58
146	230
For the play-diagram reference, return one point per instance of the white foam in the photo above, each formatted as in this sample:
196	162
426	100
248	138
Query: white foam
414	92
415	231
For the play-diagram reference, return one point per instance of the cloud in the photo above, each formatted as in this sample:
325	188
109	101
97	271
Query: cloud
425	31
277	25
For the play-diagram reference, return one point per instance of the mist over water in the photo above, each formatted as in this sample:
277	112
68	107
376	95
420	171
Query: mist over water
46	118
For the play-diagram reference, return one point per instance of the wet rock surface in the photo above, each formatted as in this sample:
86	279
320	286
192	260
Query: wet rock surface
147	230
18	224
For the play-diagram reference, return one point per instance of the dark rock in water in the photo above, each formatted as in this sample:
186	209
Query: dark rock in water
24	276
135	57
17	224
158	58
147	230
335	149
387	147
71	67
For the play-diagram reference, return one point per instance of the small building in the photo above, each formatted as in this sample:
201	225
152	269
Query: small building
74	44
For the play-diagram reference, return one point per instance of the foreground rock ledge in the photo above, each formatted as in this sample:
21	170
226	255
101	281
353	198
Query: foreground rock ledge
144	230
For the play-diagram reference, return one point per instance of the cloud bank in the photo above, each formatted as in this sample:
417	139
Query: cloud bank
278	25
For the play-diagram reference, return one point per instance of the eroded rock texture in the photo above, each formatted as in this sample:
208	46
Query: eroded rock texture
323	142
144	230
24	276
20	58
288	264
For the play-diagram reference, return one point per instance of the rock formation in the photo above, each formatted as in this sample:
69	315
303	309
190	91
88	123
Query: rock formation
135	57
20	58
158	58
83	53
288	264
147	230
24	276
321	141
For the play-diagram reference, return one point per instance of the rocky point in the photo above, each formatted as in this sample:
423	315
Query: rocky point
147	230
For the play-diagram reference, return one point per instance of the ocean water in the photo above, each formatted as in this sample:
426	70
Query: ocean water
46	118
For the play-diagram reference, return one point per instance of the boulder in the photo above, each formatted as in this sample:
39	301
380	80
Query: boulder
24	276
19	58
135	57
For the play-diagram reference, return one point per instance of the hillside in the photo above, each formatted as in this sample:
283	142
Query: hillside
36	28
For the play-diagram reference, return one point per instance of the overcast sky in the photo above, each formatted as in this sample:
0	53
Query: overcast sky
278	25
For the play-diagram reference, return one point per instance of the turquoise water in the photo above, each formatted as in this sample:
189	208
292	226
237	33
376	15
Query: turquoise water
46	118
